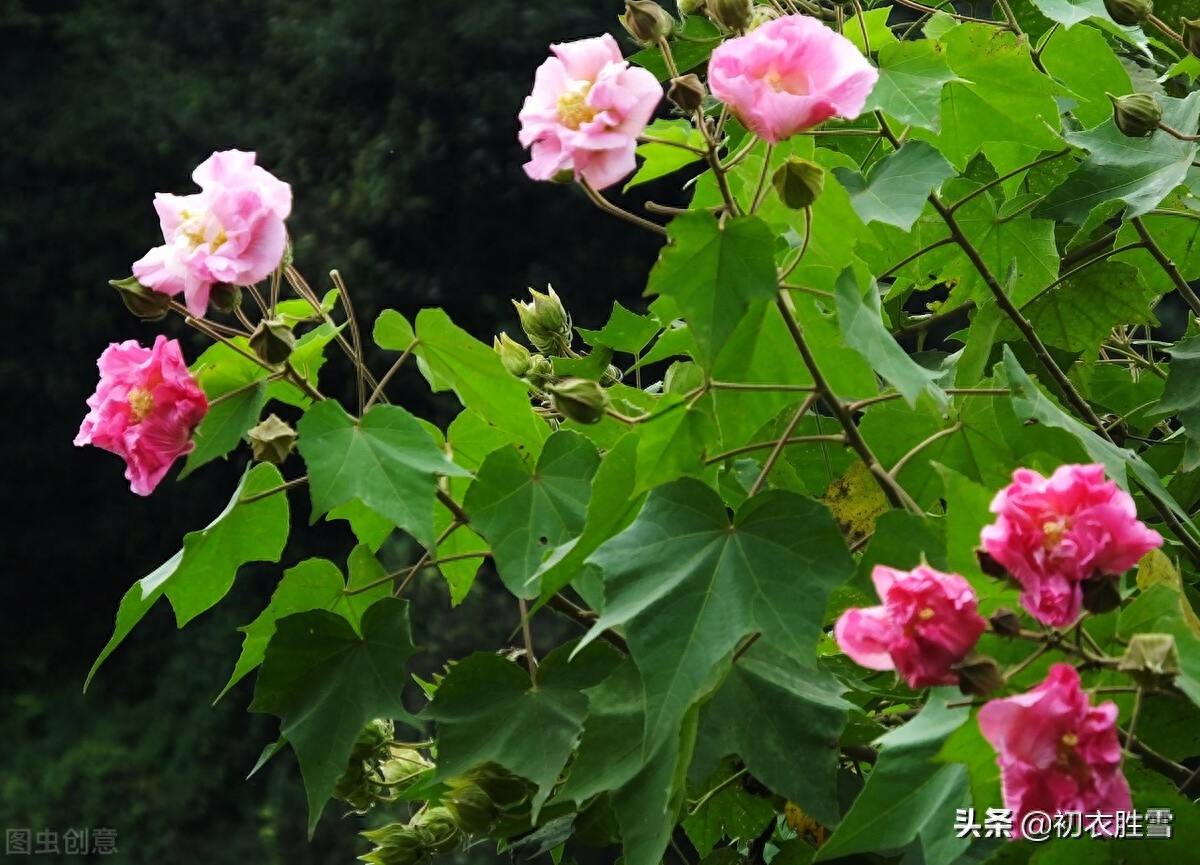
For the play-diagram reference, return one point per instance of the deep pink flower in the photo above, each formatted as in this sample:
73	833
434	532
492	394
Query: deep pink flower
144	409
230	232
1054	533
788	75
928	622
1057	752
586	111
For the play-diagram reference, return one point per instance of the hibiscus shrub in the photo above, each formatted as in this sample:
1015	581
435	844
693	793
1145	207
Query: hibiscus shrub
877	522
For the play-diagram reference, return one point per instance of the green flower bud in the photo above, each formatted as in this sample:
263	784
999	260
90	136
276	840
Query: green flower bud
436	830
690	7
730	14
978	675
1128	13
273	341
579	399
513	355
1136	115
145	303
225	298
472	808
272	440
760	15
1189	31
799	182
541	371
545	322
395	844
687	91
501	786
646	21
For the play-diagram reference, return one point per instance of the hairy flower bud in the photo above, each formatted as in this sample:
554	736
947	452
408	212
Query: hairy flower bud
225	297
978	675
730	14
579	399
436	830
545	321
143	302
472	808
687	91
1128	13
1136	115
646	21
541	371
272	440
799	182
1189	31
513	355
273	341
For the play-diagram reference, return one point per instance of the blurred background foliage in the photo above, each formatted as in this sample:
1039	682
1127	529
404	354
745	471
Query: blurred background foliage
396	124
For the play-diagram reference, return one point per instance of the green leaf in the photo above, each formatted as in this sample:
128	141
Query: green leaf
624	331
325	681
663	159
199	575
897	187
732	813
314	584
450	358
864	331
369	527
689	586
526	513
307	359
911	77
487	710
673	443
1140	172
779	714
1081	59
386	460
907	793
1182	396
392	331
700	38
875	22
715	272
1068	12
240	386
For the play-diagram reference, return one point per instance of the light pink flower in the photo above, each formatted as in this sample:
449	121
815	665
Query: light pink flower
1057	752
1054	533
928	622
230	232
788	75
144	409
587	108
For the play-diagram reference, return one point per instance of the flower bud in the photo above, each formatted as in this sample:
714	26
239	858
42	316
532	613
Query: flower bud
978	675
1137	115
513	355
1189	31
730	14
1128	13
224	297
1101	594
799	182
472	808
611	376
989	565
545	322
273	341
145	303
436	830
1150	659
541	371
272	441
1005	622
761	14
579	399
647	22
373	740
687	92
690	7
395	844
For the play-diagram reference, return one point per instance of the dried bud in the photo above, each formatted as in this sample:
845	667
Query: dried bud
730	14
1151	659
1005	622
545	322
272	440
1189	31
799	182
978	675
224	297
579	399
513	355
1137	115
646	21
687	91
1101	594
145	303
273	341
1128	13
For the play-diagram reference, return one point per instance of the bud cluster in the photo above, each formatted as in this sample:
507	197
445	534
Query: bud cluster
379	769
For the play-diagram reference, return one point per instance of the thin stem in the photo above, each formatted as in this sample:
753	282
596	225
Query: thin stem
1003	177
1089	249
387	376
1010	17
781	388
355	339
300	285
808	222
920	446
769	464
527	634
1167	768
859	405
929	321
650	139
910	258
921	7
761	189
275	376
832	438
258	300
585	619
454	507
607	206
1016	668
1133	718
1161	25
249	500
1168	266
1175	133
715	790
421	563
746	644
